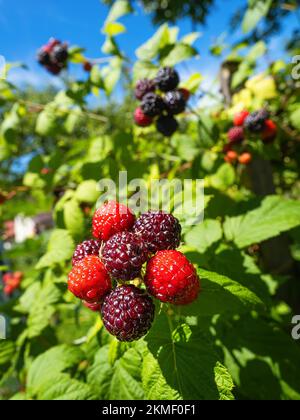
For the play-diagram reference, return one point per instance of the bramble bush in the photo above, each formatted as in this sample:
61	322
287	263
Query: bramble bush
234	341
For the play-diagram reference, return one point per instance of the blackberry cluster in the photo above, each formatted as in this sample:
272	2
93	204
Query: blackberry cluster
161	99
249	125
123	246
53	56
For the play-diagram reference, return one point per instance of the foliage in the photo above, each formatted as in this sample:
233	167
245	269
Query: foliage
234	341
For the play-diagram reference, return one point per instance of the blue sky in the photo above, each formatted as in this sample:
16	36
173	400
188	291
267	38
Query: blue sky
27	24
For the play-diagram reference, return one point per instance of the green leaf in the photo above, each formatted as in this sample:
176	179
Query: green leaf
87	192
46	122
60	249
180	52
295	118
201	237
120	8
73	218
96	77
72	120
190	38
48	365
224	177
187	360
63	387
219	294
193	83
144	70
111	75
154	383
122	381
275	215
7	351
255	12
154	45
114	28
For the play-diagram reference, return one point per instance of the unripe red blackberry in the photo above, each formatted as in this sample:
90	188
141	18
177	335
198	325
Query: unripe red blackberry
123	256
95	307
231	156
127	313
236	135
158	230
175	102
141	119
269	131
186	93
143	87
167	79
89	280
245	158
152	105
110	218
89	247
170	277
240	117
167	125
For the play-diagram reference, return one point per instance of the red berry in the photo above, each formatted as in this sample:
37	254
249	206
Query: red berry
231	156
87	66
127	313
95	307
112	218
90	247
239	118
158	230
170	277
236	135
269	131
185	93
245	158
123	256
89	280
141	119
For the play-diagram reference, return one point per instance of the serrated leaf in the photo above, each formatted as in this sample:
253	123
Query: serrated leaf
201	237
187	360
275	215
224	177
63	387
180	52
152	47
122	381
219	294
60	248
48	365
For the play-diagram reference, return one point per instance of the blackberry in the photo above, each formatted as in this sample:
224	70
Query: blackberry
127	313
175	102
167	79
143	87
43	57
158	230
152	105
256	120
167	125
60	53
236	135
90	247
123	256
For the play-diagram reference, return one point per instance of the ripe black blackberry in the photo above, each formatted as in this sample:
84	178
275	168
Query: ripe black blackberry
43	57
256	120
89	247
143	87
127	313
175	102
167	125
123	256
167	79
152	105
60	53
158	230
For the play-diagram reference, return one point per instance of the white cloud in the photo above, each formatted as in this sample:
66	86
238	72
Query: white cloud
21	77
